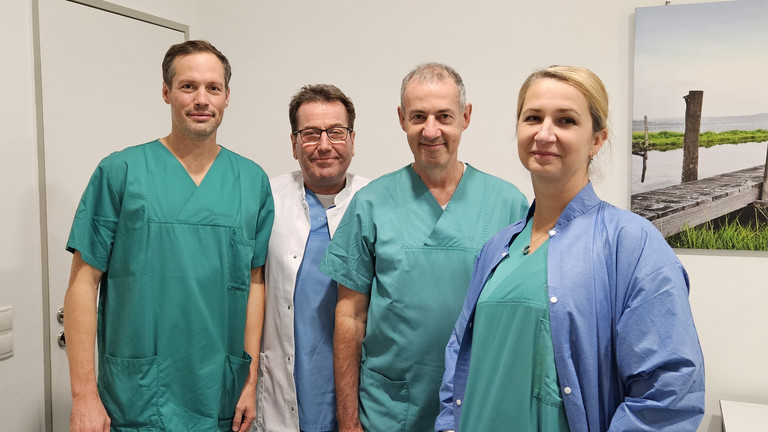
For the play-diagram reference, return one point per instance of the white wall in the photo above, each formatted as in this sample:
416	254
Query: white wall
189	12
728	298
22	396
365	49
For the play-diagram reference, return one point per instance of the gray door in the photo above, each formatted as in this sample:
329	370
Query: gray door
101	92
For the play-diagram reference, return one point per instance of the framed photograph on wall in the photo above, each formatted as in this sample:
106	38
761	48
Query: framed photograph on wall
700	123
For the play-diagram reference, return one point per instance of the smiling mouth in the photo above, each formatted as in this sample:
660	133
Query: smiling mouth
200	116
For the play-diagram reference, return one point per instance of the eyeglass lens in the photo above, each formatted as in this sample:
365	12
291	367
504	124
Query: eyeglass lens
312	136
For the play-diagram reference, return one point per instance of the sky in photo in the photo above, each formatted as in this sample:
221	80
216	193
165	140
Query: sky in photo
720	48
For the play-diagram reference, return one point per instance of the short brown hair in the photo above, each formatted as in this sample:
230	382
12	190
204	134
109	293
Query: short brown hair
319	93
192	47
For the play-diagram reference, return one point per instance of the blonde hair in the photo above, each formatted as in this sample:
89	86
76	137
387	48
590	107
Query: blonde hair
583	80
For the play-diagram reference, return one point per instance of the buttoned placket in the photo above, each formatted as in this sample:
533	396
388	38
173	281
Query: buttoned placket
553	300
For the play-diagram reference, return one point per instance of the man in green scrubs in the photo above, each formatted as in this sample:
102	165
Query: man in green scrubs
172	235
403	257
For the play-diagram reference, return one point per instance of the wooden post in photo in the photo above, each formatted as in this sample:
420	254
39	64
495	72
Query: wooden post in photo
646	146
764	187
693	102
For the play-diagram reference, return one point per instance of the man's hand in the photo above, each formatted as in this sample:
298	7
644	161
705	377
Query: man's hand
245	413
356	428
88	415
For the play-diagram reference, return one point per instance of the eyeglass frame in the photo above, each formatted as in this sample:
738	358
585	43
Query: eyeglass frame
298	133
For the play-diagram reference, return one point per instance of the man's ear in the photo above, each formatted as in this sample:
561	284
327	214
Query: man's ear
166	93
294	138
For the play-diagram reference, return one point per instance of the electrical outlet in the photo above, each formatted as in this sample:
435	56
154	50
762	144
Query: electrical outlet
6	318
6	344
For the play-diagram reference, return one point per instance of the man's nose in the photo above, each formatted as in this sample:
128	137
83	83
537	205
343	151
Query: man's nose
431	129
324	143
201	97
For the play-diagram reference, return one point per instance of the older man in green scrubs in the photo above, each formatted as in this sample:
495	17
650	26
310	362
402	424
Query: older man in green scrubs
403	257
172	235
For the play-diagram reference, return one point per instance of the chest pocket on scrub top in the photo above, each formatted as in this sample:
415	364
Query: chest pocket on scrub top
240	257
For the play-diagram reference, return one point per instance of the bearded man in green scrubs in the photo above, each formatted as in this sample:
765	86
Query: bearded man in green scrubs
403	256
172	235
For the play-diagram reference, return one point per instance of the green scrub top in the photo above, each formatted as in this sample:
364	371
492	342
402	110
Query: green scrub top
512	382
414	260
172	302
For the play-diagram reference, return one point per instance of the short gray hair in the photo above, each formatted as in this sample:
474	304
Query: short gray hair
434	72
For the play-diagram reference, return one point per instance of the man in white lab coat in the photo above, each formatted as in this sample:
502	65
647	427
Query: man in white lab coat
296	386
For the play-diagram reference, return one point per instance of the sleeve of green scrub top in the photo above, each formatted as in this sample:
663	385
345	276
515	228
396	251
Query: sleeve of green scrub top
349	259
95	224
264	222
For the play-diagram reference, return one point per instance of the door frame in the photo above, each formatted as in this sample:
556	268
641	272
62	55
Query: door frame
41	169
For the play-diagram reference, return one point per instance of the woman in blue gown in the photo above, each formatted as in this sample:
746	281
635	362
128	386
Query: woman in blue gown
577	317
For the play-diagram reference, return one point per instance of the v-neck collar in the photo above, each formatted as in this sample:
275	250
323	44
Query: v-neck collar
183	168
449	223
420	188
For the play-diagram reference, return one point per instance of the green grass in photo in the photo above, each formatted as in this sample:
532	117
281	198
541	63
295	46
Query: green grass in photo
727	234
665	140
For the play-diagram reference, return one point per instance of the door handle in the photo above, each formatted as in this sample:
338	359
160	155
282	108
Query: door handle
60	316
62	340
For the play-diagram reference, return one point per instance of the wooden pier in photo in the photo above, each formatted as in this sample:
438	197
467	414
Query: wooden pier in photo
673	208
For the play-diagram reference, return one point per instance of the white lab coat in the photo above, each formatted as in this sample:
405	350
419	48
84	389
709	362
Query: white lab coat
276	404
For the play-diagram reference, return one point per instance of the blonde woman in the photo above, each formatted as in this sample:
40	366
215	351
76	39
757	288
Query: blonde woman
577	317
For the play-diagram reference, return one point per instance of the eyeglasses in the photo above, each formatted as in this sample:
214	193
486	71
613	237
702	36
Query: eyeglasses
311	136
